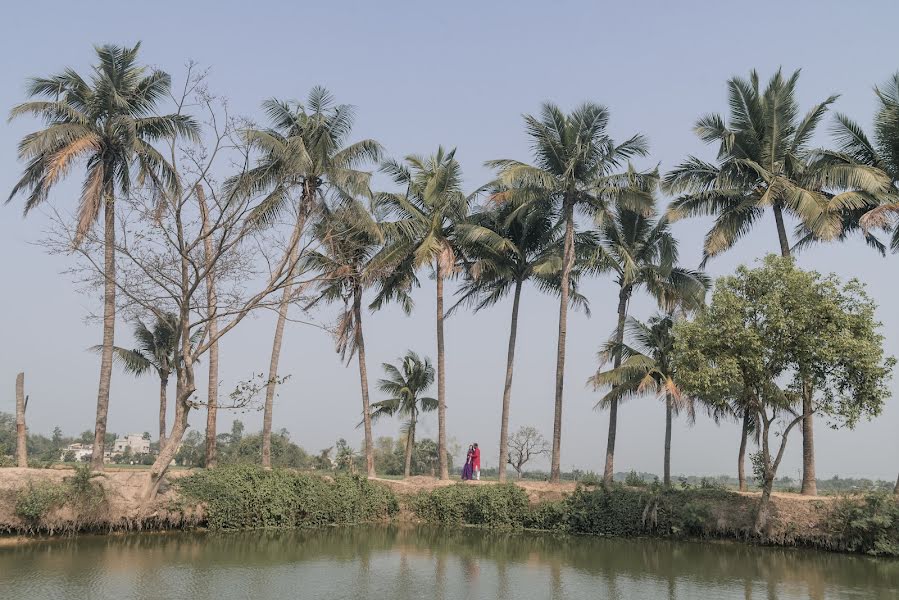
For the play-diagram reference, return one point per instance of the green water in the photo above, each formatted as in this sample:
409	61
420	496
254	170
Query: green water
398	564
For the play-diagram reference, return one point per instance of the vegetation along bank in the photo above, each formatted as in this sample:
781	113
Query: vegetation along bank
48	501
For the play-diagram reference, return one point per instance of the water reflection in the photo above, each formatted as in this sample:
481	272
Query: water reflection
400	563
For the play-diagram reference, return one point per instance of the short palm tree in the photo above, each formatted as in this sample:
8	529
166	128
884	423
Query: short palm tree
423	233
107	122
641	252
645	368
304	149
505	247
574	172
764	160
348	241
881	153
405	385
157	350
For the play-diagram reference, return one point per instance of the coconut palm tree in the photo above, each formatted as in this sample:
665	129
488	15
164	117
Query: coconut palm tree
641	252
506	247
881	153
348	240
646	368
423	233
157	350
573	172
764	160
303	150
106	121
405	386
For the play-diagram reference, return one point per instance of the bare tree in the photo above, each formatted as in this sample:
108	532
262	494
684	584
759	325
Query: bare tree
171	245
526	444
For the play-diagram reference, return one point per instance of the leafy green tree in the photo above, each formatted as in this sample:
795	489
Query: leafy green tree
505	248
107	122
641	252
574	172
405	386
304	149
788	344
645	368
764	160
348	242
423	233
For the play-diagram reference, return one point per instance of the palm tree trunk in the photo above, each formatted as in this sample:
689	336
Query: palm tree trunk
741	460
781	231
21	431
363	381
809	482
609	472
441	379
163	403
555	471
212	329
276	342
896	489
507	389
666	477
410	443
108	330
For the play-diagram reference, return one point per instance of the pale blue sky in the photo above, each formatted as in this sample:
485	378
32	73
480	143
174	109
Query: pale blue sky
458	74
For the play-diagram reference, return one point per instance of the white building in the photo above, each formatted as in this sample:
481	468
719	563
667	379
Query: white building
80	450
135	441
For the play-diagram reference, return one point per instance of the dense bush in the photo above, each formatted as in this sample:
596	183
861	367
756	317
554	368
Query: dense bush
868	523
495	506
247	496
35	500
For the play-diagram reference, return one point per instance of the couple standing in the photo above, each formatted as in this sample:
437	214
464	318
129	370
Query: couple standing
472	468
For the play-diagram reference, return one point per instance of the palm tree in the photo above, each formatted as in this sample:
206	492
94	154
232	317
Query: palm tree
108	122
423	233
764	160
157	350
405	386
304	149
348	241
640	251
882	153
575	160
645	368
506	247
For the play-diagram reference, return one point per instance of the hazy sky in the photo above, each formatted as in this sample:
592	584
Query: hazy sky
458	74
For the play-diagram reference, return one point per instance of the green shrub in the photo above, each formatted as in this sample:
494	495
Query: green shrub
634	480
547	516
248	497
494	506
868	524
35	500
590	479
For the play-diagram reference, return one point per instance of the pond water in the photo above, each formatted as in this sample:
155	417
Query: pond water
407	563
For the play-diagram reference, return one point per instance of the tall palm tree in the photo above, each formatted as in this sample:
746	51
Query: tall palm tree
157	350
405	386
881	153
349	240
108	122
304	149
764	160
641	252
423	233
646	368
506	247
574	172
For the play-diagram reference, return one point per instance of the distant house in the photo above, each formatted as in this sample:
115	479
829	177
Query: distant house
81	451
135	441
